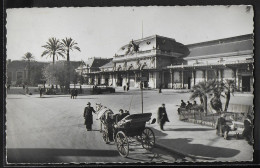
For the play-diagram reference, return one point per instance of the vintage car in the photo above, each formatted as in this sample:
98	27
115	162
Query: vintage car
99	89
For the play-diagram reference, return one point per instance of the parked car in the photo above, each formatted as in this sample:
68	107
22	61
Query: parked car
99	89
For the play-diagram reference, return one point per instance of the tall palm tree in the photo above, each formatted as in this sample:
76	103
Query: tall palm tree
53	48
69	44
28	57
201	90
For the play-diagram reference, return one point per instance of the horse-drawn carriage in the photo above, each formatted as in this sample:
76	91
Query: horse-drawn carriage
120	132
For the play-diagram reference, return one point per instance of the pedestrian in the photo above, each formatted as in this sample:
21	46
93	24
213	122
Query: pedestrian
72	94
27	90
127	112
162	116
23	86
160	88
80	89
124	87
40	92
248	129
183	104
75	93
222	129
88	116
121	115
188	106
127	88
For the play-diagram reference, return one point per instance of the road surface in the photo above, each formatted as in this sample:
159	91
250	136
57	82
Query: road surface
52	130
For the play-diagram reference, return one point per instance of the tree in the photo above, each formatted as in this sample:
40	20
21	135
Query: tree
28	57
217	89
59	75
53	48
69	44
201	90
36	74
229	87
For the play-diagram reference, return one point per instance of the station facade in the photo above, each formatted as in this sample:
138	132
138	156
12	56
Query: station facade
163	62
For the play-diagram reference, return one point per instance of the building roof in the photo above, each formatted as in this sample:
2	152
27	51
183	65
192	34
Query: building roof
239	44
95	62
108	65
155	42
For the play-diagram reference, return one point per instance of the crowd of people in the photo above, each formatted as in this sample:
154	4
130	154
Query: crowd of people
187	106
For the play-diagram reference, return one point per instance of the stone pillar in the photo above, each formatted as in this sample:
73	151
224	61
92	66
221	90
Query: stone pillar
102	78
221	75
236	77
193	73
171	73
238	81
182	79
206	75
114	79
136	84
127	77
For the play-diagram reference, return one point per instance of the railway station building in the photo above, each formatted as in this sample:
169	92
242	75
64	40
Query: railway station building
163	62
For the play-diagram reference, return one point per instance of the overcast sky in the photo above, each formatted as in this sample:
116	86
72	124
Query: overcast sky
101	31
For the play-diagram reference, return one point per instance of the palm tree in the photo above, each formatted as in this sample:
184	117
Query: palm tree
201	90
28	57
217	89
53	48
229	87
69	44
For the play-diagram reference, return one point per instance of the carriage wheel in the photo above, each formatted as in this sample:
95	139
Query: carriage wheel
148	139
105	137
122	144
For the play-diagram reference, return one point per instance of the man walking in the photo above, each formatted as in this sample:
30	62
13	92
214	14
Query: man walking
162	116
88	116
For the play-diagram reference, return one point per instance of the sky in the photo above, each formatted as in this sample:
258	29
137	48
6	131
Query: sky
101	31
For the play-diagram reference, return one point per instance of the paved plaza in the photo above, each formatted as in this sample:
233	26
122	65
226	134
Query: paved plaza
51	129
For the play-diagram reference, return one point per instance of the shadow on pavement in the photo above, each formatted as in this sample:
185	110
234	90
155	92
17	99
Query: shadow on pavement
190	129
158	133
199	150
27	155
85	98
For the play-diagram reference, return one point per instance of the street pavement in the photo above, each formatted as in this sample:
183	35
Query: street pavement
51	130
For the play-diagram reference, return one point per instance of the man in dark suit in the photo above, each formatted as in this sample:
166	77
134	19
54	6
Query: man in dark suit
248	130
88	116
162	116
222	129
